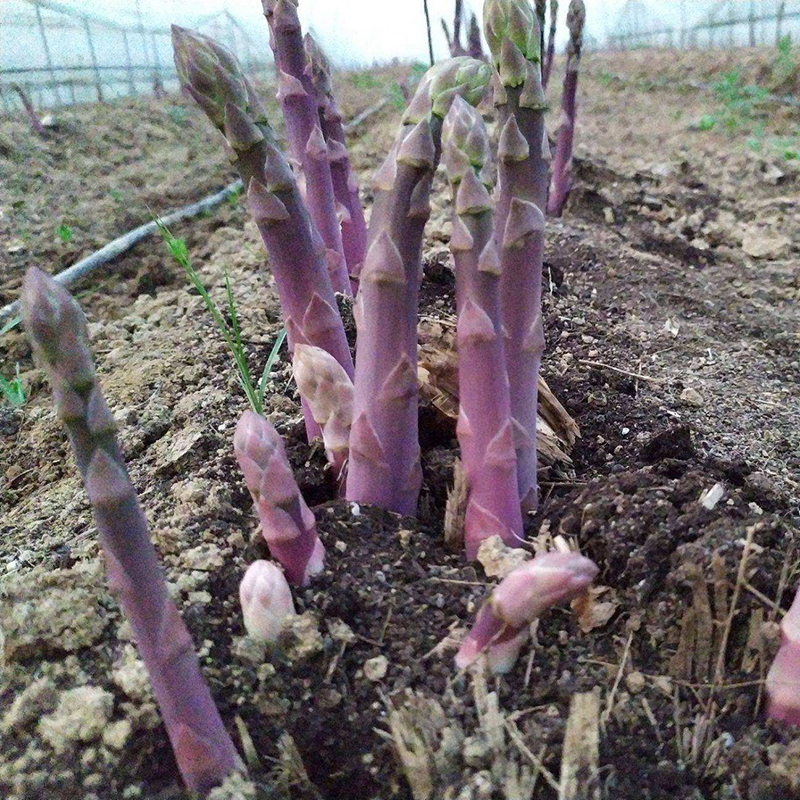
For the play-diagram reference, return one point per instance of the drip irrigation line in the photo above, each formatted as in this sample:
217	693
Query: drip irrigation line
114	249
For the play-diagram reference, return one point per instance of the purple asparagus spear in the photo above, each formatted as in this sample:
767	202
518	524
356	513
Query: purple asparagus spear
57	330
485	430
502	624
287	523
213	77
562	163
384	466
345	182
547	67
783	679
513	36
298	101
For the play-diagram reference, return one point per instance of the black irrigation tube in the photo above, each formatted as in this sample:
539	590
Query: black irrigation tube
122	244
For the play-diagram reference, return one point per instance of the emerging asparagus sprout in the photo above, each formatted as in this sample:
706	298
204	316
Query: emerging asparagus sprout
57	330
328	390
287	523
266	601
783	679
502	624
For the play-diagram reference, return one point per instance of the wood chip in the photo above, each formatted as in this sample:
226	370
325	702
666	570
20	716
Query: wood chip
581	756
455	511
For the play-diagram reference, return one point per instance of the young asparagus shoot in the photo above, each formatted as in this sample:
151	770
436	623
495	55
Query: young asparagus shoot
562	163
485	430
345	182
523	155
266	601
328	390
56	328
214	78
287	523
231	333
298	100
384	466
474	46
783	679
454	41
503	622
547	66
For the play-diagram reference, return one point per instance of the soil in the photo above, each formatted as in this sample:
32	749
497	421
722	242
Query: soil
671	314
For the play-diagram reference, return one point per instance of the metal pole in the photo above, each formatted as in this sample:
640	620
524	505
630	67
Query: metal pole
779	21
752	23
47	56
156	67
131	80
94	59
141	31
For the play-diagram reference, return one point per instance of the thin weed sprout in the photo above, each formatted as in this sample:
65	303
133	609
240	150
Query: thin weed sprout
13	390
231	332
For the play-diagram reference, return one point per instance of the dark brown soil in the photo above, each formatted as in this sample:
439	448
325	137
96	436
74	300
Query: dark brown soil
640	307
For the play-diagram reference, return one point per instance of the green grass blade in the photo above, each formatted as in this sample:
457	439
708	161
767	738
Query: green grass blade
273	355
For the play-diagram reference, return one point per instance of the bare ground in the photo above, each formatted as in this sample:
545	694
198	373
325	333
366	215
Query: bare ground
672	329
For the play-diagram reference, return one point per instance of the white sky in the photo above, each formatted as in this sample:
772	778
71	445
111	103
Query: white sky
354	32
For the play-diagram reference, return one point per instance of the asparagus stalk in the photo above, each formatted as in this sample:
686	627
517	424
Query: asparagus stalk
345	182
562	163
541	13
485	431
474	46
502	624
384	466
547	67
523	154
266	601
213	77
287	523
454	42
328	390
57	330
783	679
298	101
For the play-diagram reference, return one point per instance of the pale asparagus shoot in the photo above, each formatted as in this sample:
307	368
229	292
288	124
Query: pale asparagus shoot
502	624
328	391
266	601
287	523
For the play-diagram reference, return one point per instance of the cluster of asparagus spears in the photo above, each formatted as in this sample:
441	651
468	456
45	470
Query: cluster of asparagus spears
310	218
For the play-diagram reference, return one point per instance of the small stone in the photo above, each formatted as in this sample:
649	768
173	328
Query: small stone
130	675
116	735
635	682
37	699
692	397
375	668
81	716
